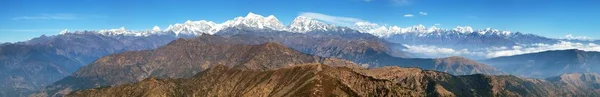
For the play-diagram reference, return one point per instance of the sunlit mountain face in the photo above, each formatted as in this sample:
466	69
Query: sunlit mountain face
450	48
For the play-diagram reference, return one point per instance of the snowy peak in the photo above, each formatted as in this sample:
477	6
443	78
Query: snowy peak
383	31
300	24
571	37
421	30
463	29
123	31
194	28
253	15
434	29
303	24
64	31
120	31
375	29
417	28
491	31
255	21
366	25
251	20
369	27
155	29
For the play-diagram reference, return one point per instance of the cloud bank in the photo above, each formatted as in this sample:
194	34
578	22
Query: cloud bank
434	51
571	37
492	52
337	20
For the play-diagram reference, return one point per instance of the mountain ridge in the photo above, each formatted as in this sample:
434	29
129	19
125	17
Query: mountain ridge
233	51
548	63
358	47
183	58
30	65
323	80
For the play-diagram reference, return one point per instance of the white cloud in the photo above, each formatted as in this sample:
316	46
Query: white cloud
437	24
401	2
423	13
540	47
338	20
30	30
571	37
393	2
434	51
59	16
492	52
409	15
48	17
517	47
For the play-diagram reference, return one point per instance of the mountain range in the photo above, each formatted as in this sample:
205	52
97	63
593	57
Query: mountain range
273	69
459	38
83	47
185	57
28	66
258	44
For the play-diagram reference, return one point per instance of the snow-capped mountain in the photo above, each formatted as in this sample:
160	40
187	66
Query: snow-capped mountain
155	29
383	31
300	24
420	30
64	31
582	38
255	21
454	42
463	29
303	24
463	36
194	27
120	31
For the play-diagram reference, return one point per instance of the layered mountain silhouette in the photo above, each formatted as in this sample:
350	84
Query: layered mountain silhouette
30	65
185	57
259	56
361	48
80	48
323	80
548	63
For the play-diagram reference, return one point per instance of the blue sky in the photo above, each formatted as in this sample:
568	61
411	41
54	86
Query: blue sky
24	19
